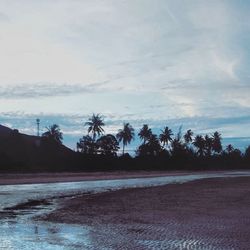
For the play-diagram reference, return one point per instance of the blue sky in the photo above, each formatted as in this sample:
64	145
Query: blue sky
165	63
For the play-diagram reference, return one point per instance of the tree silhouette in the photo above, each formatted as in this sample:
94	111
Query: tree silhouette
165	136
178	149
236	153
145	133
232	153
107	145
229	148
199	143
152	147
125	135
86	145
188	137
208	145
247	153
54	133
217	147
95	124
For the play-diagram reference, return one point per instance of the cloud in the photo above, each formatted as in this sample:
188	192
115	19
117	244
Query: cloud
141	60
4	18
39	90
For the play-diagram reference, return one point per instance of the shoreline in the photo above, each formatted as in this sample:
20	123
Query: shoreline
37	178
206	213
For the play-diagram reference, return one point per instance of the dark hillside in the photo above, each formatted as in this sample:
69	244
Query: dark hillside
19	151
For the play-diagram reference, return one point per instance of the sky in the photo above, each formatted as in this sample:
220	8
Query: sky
160	62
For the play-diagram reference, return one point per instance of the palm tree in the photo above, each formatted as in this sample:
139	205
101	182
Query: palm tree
217	147
178	149
125	135
165	136
152	147
145	133
208	145
188	137
95	124
54	132
199	143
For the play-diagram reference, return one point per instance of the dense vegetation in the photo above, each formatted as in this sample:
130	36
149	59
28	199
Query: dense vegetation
163	151
99	151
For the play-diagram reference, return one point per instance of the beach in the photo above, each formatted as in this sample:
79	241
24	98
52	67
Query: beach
202	214
32	178
121	210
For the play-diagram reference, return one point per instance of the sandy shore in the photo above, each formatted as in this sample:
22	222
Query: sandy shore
204	214
32	178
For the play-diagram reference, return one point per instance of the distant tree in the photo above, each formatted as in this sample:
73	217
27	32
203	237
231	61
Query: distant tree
217	146
152	147
107	145
165	136
125	135
188	137
236	153
199	143
208	145
95	124
145	133
232	154
229	148
178	149
86	145
54	133
247	153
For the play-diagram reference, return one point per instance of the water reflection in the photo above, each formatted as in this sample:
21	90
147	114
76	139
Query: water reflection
28	235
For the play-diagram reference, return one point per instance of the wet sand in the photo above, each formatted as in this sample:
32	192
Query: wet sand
203	214
32	178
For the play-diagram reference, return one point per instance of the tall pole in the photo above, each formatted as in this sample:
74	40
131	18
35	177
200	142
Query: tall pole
38	126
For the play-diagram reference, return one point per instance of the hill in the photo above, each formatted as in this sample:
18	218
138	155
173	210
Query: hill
20	151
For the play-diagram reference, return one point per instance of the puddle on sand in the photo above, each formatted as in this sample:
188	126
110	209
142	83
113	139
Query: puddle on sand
19	231
37	235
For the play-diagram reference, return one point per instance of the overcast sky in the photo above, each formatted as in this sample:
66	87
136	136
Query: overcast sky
181	62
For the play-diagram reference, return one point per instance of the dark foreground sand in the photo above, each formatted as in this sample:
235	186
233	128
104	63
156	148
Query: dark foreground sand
204	214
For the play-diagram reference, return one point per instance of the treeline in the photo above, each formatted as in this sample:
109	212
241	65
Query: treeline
167	150
97	151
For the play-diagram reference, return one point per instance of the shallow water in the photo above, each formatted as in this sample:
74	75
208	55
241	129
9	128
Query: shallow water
19	231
